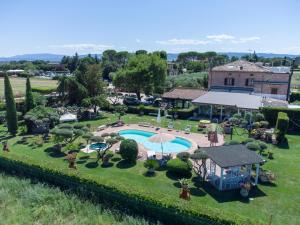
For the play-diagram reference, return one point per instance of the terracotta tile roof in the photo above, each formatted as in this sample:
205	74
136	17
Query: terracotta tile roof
241	66
184	94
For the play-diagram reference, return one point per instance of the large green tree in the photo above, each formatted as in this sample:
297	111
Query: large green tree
143	73
11	111
29	101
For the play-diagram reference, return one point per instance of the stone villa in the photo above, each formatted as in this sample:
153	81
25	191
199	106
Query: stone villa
246	77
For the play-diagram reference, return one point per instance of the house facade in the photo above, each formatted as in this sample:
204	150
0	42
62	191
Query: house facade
244	76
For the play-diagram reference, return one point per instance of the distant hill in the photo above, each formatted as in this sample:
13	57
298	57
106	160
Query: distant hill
170	56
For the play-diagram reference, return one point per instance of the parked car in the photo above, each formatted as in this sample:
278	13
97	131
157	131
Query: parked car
131	101
148	101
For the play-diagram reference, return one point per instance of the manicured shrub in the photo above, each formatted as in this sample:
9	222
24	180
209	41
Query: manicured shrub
232	142
282	126
184	156
295	96
259	117
151	165
253	146
264	124
111	141
11	111
271	114
65	126
179	168
97	139
262	145
129	150
247	140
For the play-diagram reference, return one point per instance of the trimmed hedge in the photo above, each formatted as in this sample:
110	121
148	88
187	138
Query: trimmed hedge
43	90
138	203
179	168
186	113
129	150
271	114
181	113
295	96
282	125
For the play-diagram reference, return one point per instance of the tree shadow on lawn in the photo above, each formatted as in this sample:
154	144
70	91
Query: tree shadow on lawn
124	164
231	195
284	144
116	159
92	165
83	159
51	151
108	165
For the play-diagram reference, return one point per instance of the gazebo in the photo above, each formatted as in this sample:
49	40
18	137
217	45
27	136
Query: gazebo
230	166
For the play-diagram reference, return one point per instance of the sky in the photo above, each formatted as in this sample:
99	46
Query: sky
92	26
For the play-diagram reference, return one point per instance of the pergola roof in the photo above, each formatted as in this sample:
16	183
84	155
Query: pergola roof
232	155
183	94
240	100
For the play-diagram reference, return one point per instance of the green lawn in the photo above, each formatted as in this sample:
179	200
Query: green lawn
280	200
22	202
18	84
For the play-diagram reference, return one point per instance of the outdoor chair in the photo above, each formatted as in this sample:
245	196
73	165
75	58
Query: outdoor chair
188	128
170	126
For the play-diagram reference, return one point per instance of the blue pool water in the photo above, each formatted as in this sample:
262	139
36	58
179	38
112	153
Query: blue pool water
141	137
97	146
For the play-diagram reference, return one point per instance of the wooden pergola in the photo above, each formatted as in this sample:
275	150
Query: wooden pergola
230	166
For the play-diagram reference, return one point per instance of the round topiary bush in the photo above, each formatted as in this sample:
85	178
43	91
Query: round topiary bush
264	124
179	168
253	146
184	156
151	165
129	150
262	145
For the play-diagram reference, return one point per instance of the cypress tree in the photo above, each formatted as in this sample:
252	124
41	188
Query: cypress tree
29	103
11	111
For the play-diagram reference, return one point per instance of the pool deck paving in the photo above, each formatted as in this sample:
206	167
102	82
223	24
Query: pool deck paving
196	139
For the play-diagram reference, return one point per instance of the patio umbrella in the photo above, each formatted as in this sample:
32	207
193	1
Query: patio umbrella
161	138
158	116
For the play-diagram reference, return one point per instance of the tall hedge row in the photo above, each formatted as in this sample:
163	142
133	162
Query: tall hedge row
271	114
282	125
295	96
11	111
138	203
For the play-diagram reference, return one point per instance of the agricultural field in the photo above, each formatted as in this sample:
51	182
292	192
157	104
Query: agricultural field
22	202
18	84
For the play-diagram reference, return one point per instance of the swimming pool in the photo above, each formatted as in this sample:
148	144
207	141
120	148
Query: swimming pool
141	137
98	146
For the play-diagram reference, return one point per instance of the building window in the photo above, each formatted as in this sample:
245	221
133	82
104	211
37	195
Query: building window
249	82
229	81
274	91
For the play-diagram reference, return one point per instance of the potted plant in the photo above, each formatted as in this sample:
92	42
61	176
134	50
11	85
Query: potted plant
270	154
245	188
185	191
141	109
71	157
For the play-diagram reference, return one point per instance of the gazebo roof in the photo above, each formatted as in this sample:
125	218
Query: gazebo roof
232	155
184	94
